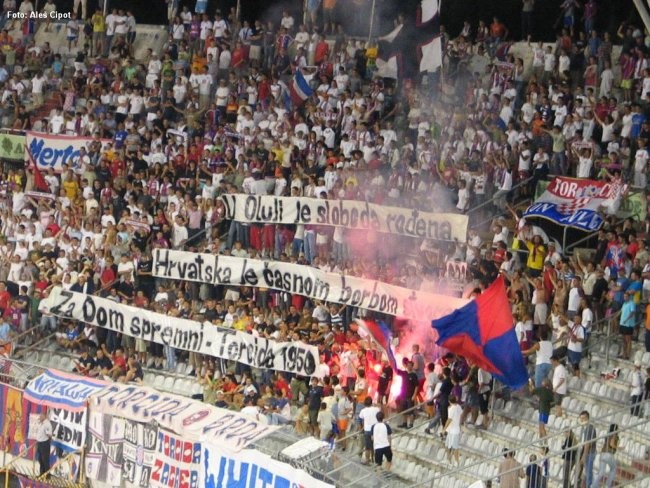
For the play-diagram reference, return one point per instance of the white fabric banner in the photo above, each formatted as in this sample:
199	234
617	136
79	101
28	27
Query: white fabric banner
189	335
223	469
578	203
428	10
193	419
270	209
177	462
138	453
303	280
51	151
65	394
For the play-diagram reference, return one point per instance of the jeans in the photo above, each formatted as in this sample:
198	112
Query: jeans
339	251
238	232
277	419
541	373
589	468
558	163
310	245
48	321
170	356
296	247
607	461
636	406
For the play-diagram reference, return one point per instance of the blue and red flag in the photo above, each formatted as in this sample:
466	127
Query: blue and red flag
483	332
299	90
382	336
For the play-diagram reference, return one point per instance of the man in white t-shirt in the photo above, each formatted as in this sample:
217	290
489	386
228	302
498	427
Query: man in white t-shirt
560	382
641	157
381	433
111	20
574	347
368	416
38	83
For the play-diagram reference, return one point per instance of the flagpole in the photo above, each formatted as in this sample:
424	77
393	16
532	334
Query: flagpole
372	20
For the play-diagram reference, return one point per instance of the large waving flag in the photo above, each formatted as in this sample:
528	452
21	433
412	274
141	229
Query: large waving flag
39	181
483	332
299	90
381	335
418	34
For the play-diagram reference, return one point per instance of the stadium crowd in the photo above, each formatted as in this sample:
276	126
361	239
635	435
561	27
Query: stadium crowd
210	115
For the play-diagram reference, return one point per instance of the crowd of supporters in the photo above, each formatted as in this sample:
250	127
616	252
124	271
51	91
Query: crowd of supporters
210	114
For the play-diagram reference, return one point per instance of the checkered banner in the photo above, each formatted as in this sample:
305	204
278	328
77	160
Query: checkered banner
578	203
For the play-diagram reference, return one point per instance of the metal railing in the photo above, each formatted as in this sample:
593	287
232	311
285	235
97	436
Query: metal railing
13	464
491	200
49	477
463	470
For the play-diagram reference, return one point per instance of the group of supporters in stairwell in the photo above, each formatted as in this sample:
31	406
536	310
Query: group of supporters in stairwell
210	115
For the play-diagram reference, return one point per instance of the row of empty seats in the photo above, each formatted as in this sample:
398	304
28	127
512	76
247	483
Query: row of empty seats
178	383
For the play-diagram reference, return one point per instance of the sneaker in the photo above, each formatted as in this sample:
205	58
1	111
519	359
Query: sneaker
427	431
402	426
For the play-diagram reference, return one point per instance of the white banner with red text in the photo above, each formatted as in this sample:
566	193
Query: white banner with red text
576	202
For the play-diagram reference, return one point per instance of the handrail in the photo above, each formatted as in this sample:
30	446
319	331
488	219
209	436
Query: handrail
587	237
491	200
29	348
24	333
6	469
395	415
59	461
537	442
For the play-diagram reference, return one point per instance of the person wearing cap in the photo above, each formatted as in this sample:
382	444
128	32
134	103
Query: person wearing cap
636	391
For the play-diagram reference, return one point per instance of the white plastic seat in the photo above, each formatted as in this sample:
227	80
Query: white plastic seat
168	384
180	368
412	445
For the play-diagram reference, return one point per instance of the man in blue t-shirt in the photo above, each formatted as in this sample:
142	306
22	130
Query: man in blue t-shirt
637	122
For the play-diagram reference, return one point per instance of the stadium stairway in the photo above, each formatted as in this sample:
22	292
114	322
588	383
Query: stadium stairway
513	425
420	457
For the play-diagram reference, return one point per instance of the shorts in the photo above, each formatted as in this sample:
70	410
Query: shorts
626	84
367	440
71	38
343	425
574	358
453	441
313	417
626	331
381	453
543	418
405	404
569	21
231	295
558	397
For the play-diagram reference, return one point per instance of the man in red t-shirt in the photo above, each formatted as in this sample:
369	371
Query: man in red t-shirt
5	296
119	363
